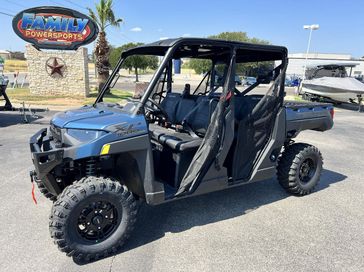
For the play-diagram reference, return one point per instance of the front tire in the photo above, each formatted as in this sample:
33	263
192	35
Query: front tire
93	218
299	168
43	189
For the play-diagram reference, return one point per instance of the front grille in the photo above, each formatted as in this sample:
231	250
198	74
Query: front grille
56	133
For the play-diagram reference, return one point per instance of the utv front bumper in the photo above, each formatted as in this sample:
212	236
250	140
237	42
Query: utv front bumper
45	154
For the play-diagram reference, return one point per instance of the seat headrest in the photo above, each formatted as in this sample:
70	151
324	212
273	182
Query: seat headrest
187	90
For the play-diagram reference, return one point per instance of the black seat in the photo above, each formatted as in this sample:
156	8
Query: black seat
170	104
185	106
195	116
176	106
177	141
193	112
199	118
180	142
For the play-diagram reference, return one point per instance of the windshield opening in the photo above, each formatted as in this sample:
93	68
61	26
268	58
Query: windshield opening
199	68
132	77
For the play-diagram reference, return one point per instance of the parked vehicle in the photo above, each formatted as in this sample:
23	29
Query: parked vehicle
249	81
100	161
292	82
220	78
238	80
295	82
288	83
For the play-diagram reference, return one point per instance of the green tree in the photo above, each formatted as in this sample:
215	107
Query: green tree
104	17
202	66
135	62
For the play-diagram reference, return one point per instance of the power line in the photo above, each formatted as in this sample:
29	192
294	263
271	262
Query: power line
14	3
7	14
75	4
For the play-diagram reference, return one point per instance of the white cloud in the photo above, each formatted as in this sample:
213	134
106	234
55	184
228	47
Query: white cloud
163	38
136	29
186	35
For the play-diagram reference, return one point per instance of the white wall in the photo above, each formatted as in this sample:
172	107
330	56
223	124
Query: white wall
297	61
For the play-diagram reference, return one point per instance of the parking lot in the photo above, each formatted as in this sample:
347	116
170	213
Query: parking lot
257	227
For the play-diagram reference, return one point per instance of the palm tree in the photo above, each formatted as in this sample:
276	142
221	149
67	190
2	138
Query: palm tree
104	17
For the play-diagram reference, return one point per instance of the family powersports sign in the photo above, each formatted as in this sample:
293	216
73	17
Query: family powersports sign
55	28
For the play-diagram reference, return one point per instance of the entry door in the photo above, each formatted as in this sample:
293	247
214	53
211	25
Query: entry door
214	141
254	130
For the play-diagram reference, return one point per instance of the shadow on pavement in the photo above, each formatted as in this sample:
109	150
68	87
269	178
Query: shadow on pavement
347	106
184	214
15	118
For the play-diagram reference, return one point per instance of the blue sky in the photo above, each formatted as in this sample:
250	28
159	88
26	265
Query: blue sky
280	21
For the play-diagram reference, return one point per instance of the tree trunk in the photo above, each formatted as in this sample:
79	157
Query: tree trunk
136	75
102	52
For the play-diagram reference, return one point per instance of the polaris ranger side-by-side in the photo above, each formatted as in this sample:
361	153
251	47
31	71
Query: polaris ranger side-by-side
98	162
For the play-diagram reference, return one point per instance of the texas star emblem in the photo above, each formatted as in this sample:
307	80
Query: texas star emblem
55	67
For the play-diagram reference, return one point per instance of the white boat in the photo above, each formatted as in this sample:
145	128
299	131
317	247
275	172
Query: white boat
331	81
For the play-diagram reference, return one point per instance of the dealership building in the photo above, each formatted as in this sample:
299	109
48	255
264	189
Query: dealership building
297	62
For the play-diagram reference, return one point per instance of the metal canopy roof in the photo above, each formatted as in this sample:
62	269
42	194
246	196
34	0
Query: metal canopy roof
211	49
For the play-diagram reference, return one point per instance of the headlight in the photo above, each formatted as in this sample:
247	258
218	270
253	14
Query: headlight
83	135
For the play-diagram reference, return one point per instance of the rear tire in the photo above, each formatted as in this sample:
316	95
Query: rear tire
299	168
93	218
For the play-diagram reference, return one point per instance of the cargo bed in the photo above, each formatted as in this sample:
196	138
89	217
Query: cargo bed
307	115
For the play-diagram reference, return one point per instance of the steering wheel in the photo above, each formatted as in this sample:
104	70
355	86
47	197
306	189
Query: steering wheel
156	110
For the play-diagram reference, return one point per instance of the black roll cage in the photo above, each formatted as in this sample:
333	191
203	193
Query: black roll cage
189	47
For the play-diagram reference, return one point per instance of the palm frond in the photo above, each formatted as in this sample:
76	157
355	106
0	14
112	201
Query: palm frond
104	15
93	16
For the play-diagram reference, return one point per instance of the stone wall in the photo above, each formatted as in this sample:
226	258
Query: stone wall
58	72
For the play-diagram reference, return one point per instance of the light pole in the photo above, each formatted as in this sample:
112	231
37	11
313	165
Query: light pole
311	28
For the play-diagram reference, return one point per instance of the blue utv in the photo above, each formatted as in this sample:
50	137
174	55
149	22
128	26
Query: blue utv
98	162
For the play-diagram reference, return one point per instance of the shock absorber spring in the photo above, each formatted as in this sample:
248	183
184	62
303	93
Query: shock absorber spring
90	167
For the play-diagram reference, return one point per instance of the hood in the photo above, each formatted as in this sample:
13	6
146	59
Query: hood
98	118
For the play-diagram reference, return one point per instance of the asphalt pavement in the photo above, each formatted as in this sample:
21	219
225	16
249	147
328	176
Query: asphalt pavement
257	227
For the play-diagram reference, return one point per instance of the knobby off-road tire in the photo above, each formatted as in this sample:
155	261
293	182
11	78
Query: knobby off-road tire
299	168
93	218
44	190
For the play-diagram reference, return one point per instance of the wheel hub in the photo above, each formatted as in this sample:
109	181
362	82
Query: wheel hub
307	170
97	221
